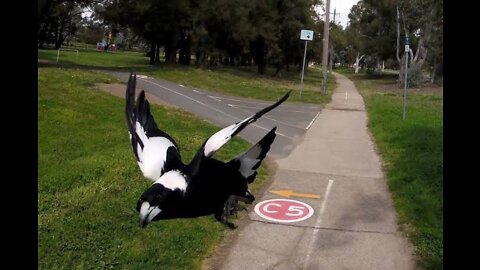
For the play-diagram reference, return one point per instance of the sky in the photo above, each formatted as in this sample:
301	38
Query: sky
343	7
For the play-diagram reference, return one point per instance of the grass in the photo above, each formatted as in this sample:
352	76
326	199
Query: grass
94	58
88	182
412	151
236	81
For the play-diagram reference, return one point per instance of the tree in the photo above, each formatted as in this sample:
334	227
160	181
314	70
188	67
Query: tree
378	30
58	19
422	21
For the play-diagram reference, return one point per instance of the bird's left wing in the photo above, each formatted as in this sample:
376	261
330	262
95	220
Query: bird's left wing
156	151
220	138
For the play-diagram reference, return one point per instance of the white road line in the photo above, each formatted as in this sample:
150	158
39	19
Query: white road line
247	101
196	91
346	97
278	109
173	91
215	98
220	99
313	238
215	109
181	85
266	117
313	120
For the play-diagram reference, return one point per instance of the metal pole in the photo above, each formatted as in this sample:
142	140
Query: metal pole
303	68
405	86
58	55
326	29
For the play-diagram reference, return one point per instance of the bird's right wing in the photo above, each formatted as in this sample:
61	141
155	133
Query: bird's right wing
248	162
156	151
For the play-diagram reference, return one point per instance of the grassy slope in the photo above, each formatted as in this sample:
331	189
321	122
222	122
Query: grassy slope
237	81
88	182
413	154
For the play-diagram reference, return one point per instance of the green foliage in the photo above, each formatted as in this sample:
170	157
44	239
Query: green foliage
89	182
412	151
374	28
222	31
237	81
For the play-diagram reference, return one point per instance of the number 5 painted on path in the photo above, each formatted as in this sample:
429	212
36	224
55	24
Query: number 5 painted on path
283	210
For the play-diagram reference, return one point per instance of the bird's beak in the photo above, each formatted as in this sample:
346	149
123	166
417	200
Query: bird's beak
147	213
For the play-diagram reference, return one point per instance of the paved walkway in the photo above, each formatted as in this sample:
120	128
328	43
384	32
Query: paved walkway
354	223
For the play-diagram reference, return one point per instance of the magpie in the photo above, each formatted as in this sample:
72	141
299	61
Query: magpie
203	187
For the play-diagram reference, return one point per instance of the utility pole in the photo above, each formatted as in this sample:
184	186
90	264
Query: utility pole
407	50
331	43
326	29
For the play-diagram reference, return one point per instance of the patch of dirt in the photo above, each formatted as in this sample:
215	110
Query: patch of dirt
118	89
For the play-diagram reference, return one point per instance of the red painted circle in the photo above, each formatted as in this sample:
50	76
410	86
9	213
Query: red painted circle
283	210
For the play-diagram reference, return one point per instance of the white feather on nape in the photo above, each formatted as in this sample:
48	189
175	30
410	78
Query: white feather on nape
173	180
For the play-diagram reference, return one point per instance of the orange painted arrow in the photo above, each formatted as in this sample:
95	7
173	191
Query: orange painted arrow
289	193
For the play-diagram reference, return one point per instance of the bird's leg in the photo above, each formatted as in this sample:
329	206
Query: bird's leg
228	210
231	207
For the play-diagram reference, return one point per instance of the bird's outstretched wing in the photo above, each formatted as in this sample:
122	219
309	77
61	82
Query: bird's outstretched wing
220	138
156	151
248	162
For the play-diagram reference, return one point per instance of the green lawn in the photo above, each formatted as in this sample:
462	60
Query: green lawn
89	182
94	58
237	81
412	150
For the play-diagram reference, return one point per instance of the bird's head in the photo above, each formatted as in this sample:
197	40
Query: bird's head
150	203
164	194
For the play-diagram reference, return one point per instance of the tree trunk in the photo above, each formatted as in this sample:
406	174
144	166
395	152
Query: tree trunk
157	55
185	43
42	35
357	62
259	52
152	53
434	71
171	50
398	36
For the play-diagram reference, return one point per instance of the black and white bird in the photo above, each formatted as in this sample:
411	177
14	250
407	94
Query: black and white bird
203	187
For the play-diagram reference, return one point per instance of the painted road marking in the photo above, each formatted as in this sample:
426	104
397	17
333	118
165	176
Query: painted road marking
279	109
215	98
317	224
313	120
196	91
142	76
210	107
289	193
283	210
266	117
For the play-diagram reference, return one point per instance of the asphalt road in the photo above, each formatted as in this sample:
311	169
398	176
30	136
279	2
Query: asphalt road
292	119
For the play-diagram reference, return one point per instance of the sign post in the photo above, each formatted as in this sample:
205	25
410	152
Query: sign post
304	35
407	50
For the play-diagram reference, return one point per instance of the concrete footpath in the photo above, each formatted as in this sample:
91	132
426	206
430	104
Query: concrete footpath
337	172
